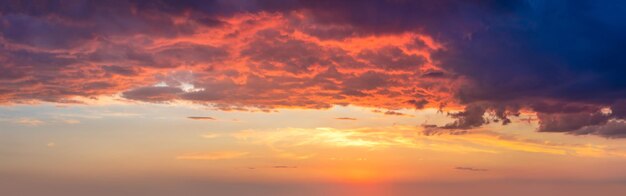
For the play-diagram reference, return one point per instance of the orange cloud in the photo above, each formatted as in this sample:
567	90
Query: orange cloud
250	60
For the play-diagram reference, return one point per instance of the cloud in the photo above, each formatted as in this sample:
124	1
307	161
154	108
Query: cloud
418	103
611	129
391	113
212	155
284	167
345	118
200	118
393	58
490	57
394	113
520	53
471	117
436	130
153	93
565	122
507	50
247	54
119	70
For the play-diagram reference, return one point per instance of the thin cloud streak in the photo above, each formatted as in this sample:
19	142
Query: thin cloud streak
200	118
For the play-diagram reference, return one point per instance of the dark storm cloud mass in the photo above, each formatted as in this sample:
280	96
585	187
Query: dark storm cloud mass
512	49
518	53
561	59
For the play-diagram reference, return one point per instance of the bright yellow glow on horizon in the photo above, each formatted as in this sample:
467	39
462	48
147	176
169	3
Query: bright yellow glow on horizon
411	137
308	147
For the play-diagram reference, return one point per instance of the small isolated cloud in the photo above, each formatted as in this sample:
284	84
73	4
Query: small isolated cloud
471	117
200	118
284	167
471	169
430	130
51	144
212	155
345	118
391	113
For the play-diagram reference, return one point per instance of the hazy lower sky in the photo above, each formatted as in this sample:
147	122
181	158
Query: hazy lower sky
292	97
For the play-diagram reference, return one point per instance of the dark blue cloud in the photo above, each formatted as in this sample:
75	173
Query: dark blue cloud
555	57
555	49
562	50
567	50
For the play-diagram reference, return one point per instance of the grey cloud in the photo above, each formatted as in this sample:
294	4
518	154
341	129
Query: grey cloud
153	93
612	129
566	122
471	117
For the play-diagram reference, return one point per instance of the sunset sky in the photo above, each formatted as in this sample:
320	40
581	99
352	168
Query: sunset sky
312	97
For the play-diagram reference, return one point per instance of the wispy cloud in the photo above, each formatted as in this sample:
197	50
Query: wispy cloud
29	121
392	113
345	118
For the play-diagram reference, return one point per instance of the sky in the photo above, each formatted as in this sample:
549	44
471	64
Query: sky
325	97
